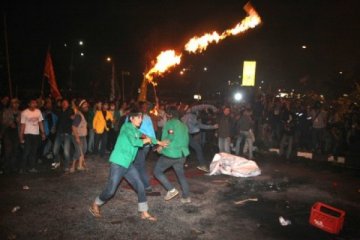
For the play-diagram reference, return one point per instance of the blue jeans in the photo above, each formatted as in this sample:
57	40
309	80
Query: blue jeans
117	172
224	144
80	149
244	135
178	165
194	143
64	140
140	165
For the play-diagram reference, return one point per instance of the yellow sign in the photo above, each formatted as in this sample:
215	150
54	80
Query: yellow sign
249	73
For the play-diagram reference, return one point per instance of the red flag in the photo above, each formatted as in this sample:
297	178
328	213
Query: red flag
50	75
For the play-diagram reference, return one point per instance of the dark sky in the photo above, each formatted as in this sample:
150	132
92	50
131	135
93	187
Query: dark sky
133	32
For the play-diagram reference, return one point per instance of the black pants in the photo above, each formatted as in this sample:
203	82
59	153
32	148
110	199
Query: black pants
30	151
11	149
101	143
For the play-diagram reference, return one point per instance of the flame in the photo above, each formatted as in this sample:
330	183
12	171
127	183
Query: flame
199	44
164	61
154	112
169	58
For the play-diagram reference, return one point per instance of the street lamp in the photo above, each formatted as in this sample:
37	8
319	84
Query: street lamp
71	67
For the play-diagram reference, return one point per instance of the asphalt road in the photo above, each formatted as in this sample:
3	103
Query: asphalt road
56	205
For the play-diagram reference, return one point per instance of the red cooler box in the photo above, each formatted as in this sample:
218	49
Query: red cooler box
327	218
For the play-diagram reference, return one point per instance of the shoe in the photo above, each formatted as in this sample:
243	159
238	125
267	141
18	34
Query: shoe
171	194
72	170
148	190
185	200
203	168
55	165
33	170
81	169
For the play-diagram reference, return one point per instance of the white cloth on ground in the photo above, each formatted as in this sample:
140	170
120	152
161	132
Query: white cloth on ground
225	163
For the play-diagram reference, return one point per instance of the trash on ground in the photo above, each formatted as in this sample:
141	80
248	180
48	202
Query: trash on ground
11	236
15	209
246	200
327	218
26	187
284	222
197	231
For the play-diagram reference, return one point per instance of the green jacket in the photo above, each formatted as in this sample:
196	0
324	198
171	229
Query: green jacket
127	144
177	133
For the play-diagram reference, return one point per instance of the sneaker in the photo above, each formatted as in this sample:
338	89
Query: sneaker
171	194
203	168
33	170
148	190
55	165
185	200
81	168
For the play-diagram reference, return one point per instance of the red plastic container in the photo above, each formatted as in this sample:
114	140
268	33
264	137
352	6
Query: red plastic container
327	218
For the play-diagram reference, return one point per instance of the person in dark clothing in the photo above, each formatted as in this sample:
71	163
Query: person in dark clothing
11	124
287	139
244	128
63	135
226	124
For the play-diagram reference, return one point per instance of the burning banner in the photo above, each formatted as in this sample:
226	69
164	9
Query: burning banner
164	61
167	59
199	44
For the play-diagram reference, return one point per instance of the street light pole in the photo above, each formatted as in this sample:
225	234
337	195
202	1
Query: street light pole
7	57
123	84
112	92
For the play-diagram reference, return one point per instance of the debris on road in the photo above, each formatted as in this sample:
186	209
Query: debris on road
246	200
15	209
284	222
26	187
197	231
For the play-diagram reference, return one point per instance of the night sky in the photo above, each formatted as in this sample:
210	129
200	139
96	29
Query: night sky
133	32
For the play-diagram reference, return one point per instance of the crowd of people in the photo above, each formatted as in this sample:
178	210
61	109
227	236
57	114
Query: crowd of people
64	131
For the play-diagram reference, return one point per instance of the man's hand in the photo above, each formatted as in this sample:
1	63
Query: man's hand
147	140
43	136
164	143
216	126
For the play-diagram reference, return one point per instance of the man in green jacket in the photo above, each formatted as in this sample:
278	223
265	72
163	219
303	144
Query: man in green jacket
121	158
174	155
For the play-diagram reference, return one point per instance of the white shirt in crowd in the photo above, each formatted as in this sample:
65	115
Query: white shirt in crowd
31	119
